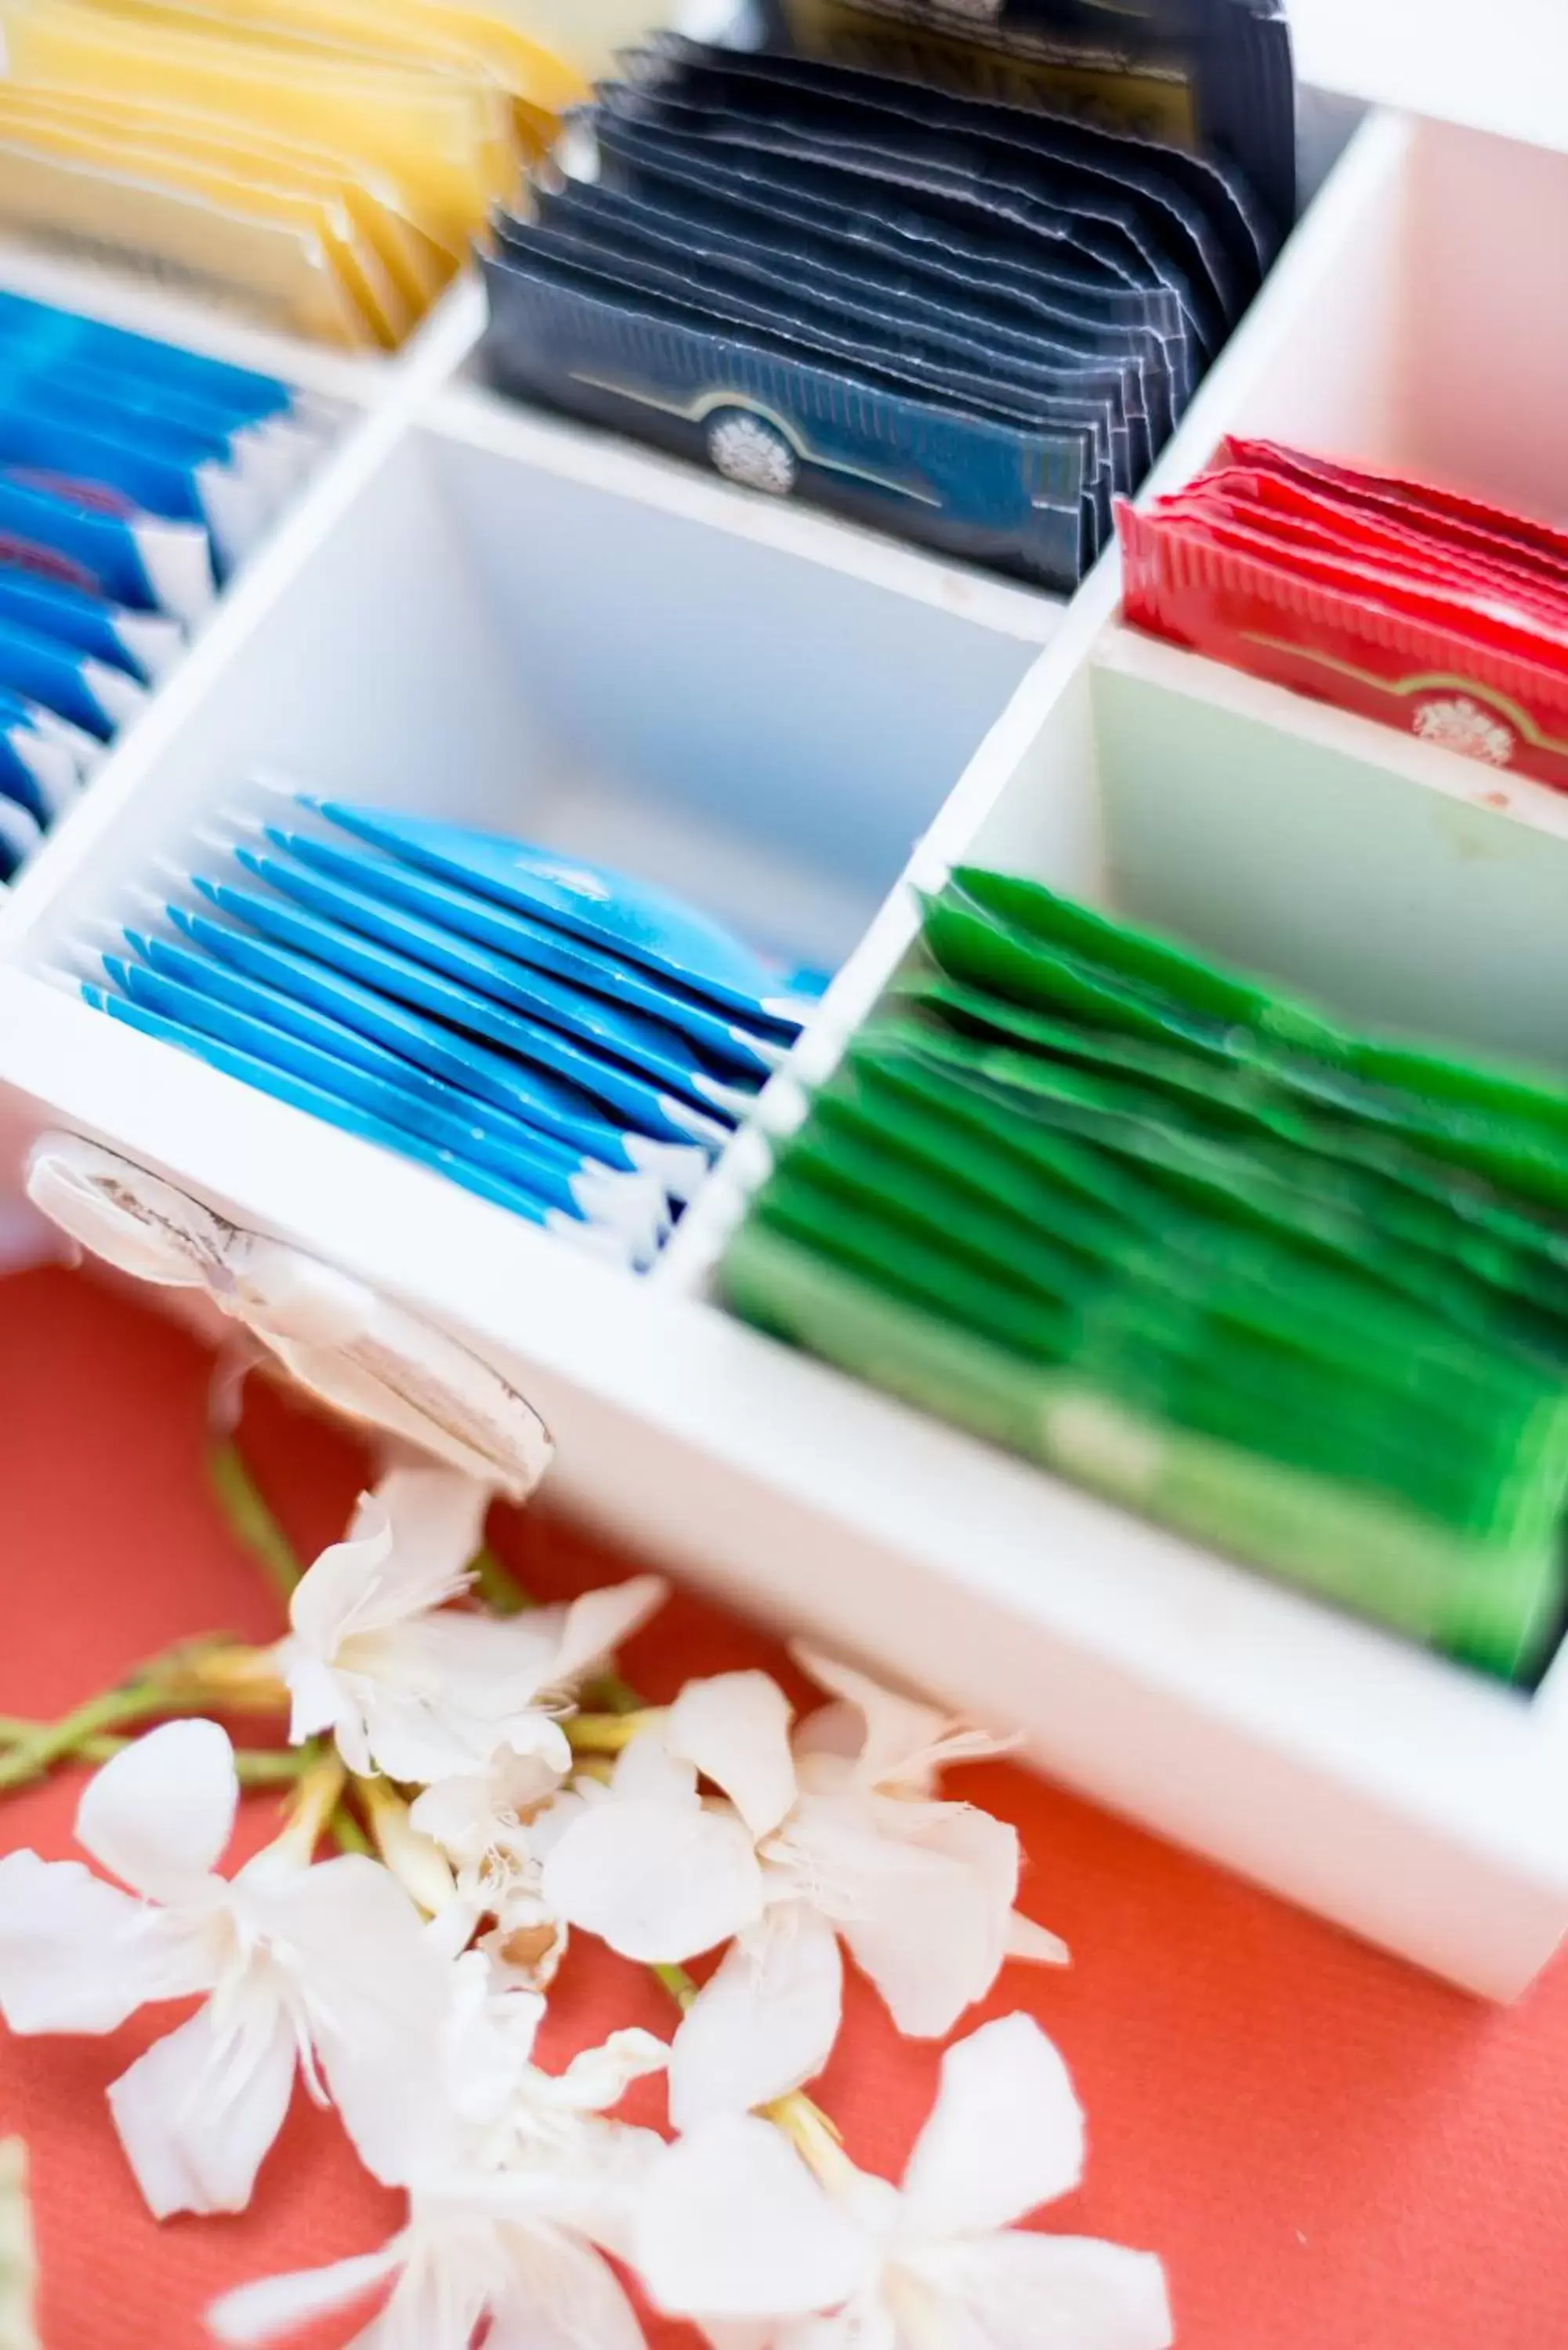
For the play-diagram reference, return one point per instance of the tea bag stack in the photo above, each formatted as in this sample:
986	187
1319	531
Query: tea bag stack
322	164
1295	1290
559	1038
133	475
1400	600
878	286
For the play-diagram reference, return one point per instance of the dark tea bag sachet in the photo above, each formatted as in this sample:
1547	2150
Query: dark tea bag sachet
1212	77
839	279
833	221
1124	199
986	487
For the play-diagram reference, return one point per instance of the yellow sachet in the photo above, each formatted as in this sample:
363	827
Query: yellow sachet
246	195
416	265
448	136
277	269
447	36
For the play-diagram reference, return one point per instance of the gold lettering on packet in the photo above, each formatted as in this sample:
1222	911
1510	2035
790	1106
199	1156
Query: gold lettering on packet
1153	101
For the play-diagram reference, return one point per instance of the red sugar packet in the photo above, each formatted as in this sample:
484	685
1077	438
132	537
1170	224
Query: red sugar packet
1398	600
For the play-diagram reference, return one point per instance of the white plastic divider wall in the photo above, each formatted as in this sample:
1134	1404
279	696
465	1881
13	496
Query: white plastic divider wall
484	612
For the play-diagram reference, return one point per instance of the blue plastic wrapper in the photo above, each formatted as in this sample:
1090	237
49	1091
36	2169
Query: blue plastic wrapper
144	560
657	1051
144	644
92	695
617	913
643	1105
45	761
474	940
255	1017
335	1111
20	833
537	1101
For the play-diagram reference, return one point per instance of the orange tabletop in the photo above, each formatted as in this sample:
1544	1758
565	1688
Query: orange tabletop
1330	2151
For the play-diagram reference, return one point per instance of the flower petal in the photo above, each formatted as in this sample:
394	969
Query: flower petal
1025	2292
647	1770
197	2114
732	2225
599	2078
407	1551
441	1694
78	1955
160	1815
1034	1944
928	1917
657	1883
1006	2134
735	1728
281	2304
764	2023
593	1626
566	2298
437	1521
905	1743
326	1603
376	1989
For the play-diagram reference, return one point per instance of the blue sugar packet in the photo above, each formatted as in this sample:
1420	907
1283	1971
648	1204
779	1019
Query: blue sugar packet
643	1105
650	1048
45	761
20	832
474	940
44	443
541	1103
88	693
623	916
307	1043
555	1117
98	430
139	559
59	335
333	1111
144	644
169	474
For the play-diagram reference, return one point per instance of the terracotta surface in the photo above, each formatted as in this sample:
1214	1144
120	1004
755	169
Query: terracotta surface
1328	2150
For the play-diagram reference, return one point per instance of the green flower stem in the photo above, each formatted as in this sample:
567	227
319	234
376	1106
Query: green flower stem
677	1984
51	1741
250	1521
346	1833
497	1585
256	1767
608	1733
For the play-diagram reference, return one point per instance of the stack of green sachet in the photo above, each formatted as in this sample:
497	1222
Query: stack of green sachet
1296	1290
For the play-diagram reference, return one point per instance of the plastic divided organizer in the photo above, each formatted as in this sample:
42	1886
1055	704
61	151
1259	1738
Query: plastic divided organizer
484	613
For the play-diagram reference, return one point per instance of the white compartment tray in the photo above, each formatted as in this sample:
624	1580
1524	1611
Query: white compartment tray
482	612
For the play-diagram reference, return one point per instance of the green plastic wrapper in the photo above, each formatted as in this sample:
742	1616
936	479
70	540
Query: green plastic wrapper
1298	1292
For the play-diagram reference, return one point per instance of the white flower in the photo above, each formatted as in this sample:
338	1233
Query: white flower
301	1963
832	1834
506	2214
491	1827
412	1687
504	2113
733	2231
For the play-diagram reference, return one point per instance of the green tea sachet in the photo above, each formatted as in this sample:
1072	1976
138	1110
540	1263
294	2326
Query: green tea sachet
1299	1292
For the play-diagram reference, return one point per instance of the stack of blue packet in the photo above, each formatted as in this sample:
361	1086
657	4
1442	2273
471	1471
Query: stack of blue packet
893	271
133	475
558	1037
